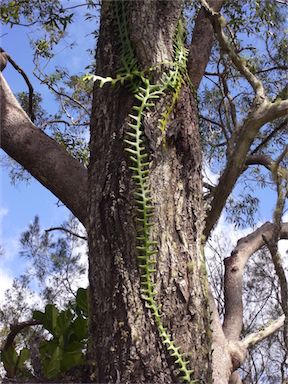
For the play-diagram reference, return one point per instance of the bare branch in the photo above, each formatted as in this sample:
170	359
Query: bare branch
219	23
65	122
255	119
66	230
284	2
232	107
270	136
268	163
255	337
61	94
275	68
235	378
40	155
210	121
221	361
208	186
272	244
82	5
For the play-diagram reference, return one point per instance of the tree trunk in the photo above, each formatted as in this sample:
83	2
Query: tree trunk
125	342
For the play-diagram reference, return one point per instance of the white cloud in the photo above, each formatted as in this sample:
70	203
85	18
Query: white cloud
82	280
6	282
3	213
6	277
283	250
210	176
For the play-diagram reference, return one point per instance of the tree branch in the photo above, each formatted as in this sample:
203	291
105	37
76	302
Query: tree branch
66	230
268	163
219	23
272	244
233	279
255	337
14	330
60	93
262	111
256	118
201	45
65	122
221	361
25	77
270	136
40	155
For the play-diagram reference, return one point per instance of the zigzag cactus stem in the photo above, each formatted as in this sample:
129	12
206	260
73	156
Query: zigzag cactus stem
147	248
175	77
128	59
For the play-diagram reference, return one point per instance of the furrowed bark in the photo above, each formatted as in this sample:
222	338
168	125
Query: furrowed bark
125	343
40	155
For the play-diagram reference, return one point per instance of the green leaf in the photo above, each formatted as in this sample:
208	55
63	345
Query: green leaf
23	356
9	359
72	356
52	369
48	319
80	328
82	300
38	315
51	356
63	322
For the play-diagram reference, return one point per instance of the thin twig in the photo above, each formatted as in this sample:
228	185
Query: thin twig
65	122
59	93
219	23
66	230
270	136
25	77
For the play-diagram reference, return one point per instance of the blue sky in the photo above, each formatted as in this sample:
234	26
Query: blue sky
19	204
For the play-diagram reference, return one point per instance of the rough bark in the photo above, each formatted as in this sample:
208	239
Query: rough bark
126	346
40	155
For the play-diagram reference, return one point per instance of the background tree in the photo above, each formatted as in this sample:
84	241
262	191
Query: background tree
242	127
56	268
